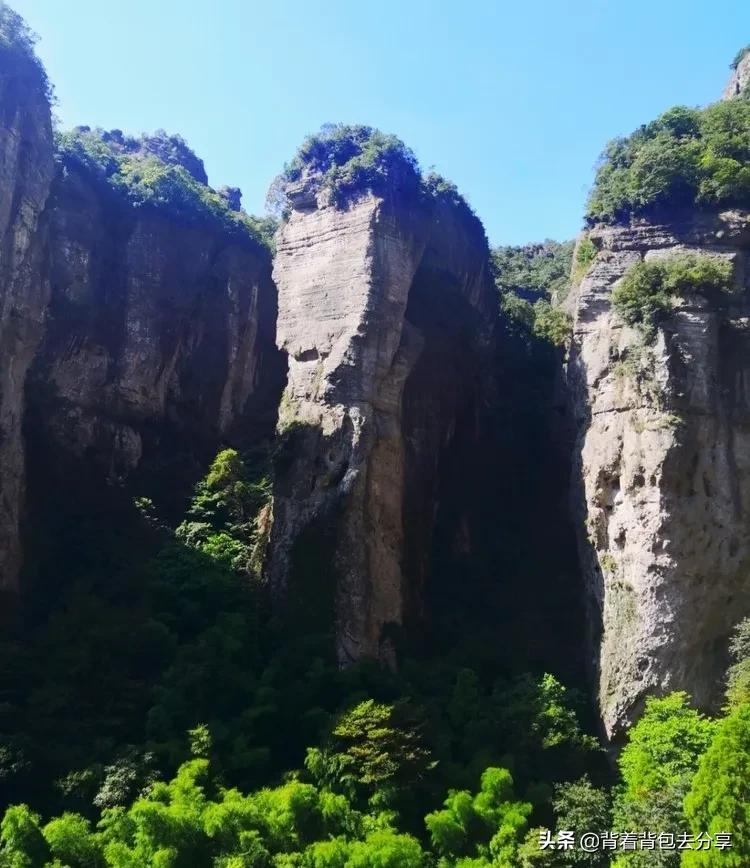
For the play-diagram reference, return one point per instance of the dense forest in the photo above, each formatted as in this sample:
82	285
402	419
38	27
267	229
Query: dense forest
156	709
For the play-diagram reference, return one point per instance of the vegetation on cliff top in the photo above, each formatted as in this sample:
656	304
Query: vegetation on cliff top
348	160
686	157
18	41
158	172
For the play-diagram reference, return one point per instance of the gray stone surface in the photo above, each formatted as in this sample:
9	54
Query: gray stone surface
662	476
25	174
352	319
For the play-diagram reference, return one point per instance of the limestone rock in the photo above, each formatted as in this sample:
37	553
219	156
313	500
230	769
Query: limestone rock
385	309
663	469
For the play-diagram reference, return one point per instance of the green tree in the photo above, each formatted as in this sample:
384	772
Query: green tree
719	798
657	766
72	841
22	844
487	827
374	752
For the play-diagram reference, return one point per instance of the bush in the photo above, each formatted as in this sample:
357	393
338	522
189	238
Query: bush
685	157
645	294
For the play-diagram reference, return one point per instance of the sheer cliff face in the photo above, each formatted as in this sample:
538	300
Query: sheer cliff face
157	331
25	174
127	336
384	308
663	475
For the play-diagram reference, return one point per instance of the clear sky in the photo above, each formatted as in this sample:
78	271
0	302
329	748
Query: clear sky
513	101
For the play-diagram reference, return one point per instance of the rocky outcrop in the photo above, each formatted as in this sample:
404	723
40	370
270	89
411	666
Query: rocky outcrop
158	332
663	469
739	80
386	309
25	173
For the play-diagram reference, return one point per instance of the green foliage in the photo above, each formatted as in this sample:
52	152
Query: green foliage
719	798
585	254
151	173
353	159
533	269
22	844
644	296
527	277
582	806
738	675
684	157
225	519
70	840
17	40
374	750
657	766
551	324
488	826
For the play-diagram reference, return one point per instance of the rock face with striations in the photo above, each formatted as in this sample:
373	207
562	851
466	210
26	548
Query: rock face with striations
25	173
663	468
159	333
386	311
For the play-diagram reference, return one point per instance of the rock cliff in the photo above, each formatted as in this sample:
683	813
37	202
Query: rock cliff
386	311
131	335
158	332
26	169
663	468
740	77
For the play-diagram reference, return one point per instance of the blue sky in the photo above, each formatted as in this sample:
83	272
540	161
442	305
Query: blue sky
513	101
